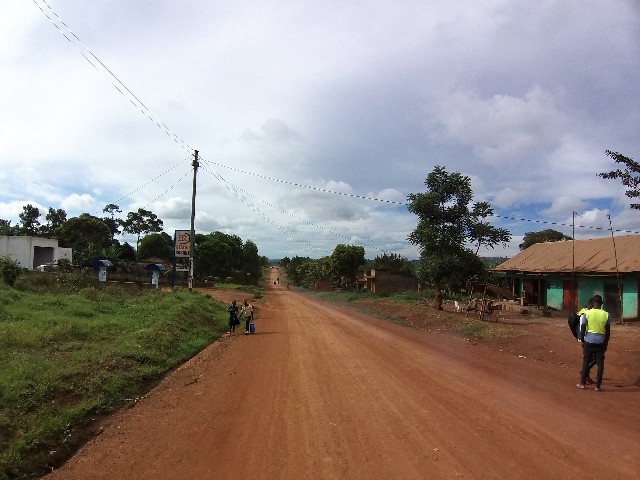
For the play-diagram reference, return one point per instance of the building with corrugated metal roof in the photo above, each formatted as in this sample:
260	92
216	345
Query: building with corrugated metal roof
566	274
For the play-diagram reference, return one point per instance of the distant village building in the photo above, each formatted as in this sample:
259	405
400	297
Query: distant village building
31	252
322	286
380	280
565	274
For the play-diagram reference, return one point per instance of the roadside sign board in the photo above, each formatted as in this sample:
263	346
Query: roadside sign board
182	243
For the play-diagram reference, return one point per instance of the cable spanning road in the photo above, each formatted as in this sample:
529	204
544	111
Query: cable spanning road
324	393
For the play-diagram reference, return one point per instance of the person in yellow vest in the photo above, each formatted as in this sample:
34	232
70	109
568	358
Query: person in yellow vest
595	331
574	325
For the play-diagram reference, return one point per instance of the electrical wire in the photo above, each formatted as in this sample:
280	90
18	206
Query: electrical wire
119	85
136	102
393	202
150	181
167	190
350	239
236	192
300	185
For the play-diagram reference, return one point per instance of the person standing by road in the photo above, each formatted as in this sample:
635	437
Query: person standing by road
247	311
595	330
575	329
233	317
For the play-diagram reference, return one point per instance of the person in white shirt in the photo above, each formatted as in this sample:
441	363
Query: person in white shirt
247	311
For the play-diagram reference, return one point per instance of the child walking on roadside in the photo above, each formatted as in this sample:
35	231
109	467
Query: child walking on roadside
247	311
233	317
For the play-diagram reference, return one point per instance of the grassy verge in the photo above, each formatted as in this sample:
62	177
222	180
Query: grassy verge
67	358
253	290
402	297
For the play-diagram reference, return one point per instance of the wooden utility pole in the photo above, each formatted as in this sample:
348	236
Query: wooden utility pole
615	255
193	219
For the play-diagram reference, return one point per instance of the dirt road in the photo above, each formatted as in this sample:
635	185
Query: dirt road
322	393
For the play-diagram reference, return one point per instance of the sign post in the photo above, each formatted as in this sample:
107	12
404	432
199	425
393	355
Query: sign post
181	251
183	244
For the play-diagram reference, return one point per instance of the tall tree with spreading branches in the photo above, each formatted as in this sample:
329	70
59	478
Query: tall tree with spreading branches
55	218
29	220
548	235
140	223
629	176
112	222
447	223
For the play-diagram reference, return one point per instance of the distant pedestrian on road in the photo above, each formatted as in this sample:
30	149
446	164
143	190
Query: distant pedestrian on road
595	331
247	311
233	317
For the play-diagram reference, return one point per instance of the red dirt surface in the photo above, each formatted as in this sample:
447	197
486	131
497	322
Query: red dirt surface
326	392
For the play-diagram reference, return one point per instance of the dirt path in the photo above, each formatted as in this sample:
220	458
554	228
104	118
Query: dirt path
322	393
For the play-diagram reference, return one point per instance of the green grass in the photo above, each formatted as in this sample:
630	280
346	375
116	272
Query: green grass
250	289
475	329
484	331
402	297
67	357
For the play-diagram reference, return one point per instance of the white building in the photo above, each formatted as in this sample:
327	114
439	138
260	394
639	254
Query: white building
30	252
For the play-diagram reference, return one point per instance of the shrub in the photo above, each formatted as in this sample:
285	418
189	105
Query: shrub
10	270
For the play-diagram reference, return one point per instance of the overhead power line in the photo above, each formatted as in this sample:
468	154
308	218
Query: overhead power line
114	80
235	189
153	180
301	185
393	202
98	65
237	193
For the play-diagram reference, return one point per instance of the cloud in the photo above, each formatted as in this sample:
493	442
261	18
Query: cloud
359	98
562	204
273	131
78	202
503	130
11	210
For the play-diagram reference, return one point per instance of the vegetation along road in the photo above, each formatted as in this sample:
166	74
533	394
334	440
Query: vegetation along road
323	392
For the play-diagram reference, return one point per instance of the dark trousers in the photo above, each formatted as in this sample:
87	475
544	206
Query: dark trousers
247	322
589	351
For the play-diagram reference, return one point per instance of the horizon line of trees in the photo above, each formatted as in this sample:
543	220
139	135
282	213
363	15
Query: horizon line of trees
449	222
217	255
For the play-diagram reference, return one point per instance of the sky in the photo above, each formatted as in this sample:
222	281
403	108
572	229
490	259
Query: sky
313	121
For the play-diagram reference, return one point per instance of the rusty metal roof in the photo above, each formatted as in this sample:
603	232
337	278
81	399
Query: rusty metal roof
595	256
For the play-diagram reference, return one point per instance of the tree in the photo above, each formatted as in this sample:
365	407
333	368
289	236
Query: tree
212	257
10	270
251	262
630	176
543	236
141	222
394	263
55	218
126	252
6	228
482	232
112	222
29	223
446	225
344	263
311	271
293	268
87	235
156	245
222	255
284	263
